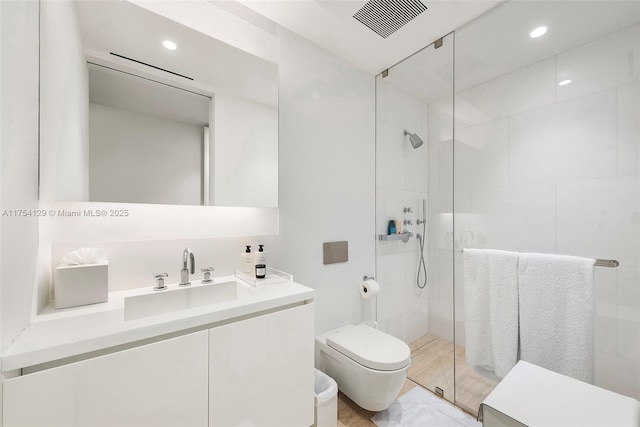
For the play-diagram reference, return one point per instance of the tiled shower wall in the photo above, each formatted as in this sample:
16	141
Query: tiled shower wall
554	169
401	182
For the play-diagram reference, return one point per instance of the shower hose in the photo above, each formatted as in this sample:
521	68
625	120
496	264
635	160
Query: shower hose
422	266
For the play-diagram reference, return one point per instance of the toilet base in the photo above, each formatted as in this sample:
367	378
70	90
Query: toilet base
381	388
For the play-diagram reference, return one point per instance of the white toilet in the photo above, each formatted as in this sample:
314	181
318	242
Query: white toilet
369	366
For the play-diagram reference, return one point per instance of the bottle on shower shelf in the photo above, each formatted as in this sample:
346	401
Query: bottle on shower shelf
392	227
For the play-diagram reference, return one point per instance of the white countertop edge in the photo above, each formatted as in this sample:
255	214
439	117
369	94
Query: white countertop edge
34	345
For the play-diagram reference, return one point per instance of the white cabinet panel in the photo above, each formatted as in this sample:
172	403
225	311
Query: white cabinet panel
159	384
261	370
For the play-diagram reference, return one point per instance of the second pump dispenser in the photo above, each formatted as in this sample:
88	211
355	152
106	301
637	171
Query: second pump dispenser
260	259
254	263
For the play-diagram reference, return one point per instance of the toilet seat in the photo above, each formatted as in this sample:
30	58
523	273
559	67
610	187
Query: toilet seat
371	348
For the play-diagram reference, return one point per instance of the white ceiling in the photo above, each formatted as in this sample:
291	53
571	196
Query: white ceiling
330	24
499	43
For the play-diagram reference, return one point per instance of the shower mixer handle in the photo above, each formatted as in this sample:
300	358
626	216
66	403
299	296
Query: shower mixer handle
406	235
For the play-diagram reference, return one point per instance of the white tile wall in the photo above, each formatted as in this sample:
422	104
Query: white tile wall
19	168
402	181
390	155
522	90
569	140
606	288
544	168
391	277
481	154
595	218
628	128
515	217
326	177
440	265
605	63
628	291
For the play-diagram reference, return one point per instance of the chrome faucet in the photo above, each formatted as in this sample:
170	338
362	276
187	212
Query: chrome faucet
188	265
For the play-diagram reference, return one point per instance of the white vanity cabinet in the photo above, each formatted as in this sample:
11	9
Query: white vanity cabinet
256	370
160	384
261	370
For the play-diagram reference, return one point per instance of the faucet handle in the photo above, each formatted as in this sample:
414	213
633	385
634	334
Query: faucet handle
207	274
160	286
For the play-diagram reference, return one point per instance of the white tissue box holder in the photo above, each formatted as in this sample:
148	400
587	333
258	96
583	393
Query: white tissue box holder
76	285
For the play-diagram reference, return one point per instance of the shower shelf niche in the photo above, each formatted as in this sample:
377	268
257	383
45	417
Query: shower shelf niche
404	236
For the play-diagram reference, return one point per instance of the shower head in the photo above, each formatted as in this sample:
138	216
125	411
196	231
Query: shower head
415	140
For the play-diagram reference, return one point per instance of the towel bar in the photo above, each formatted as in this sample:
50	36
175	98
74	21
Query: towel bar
613	263
607	263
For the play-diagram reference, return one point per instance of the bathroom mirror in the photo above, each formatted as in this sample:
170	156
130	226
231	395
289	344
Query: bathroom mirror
126	118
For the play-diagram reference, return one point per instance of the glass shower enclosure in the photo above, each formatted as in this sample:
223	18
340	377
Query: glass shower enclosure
414	186
531	144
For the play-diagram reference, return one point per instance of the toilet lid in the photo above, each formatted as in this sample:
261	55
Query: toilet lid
371	348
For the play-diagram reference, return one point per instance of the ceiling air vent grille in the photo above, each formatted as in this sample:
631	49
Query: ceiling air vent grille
385	17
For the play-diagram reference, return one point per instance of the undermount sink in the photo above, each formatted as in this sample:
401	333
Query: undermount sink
171	300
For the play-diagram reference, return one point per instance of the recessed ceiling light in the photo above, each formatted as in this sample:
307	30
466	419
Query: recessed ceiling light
564	82
537	32
169	45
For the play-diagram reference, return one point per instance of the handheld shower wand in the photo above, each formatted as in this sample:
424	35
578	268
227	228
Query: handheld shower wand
424	213
422	265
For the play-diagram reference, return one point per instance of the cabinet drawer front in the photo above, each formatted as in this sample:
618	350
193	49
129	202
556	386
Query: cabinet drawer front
159	384
261	370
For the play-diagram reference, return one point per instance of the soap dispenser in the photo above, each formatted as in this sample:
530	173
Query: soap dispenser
260	260
246	260
260	256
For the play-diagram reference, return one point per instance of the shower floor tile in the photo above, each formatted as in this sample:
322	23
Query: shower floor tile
432	366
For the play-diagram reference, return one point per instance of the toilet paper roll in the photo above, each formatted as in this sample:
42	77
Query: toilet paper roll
369	288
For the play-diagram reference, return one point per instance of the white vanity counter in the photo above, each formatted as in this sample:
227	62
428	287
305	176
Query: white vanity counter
60	334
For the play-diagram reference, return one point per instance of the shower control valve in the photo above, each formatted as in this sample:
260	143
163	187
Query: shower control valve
407	222
407	210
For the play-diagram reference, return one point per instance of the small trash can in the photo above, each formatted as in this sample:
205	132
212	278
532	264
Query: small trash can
326	401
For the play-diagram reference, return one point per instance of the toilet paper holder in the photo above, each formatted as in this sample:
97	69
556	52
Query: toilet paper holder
375	319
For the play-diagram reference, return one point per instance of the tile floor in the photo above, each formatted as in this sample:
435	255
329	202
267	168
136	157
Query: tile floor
431	366
351	415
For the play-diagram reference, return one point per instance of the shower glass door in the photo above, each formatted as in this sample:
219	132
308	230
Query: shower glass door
547	153
414	183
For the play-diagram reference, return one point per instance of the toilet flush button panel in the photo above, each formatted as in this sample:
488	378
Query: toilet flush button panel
371	348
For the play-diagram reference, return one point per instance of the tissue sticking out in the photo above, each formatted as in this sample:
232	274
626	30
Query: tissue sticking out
84	256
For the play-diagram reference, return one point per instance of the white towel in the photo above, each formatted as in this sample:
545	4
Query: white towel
491	309
557	313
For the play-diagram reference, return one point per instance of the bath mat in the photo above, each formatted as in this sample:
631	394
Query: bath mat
419	407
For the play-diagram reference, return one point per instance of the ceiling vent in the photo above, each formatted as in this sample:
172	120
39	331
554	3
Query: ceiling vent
385	17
